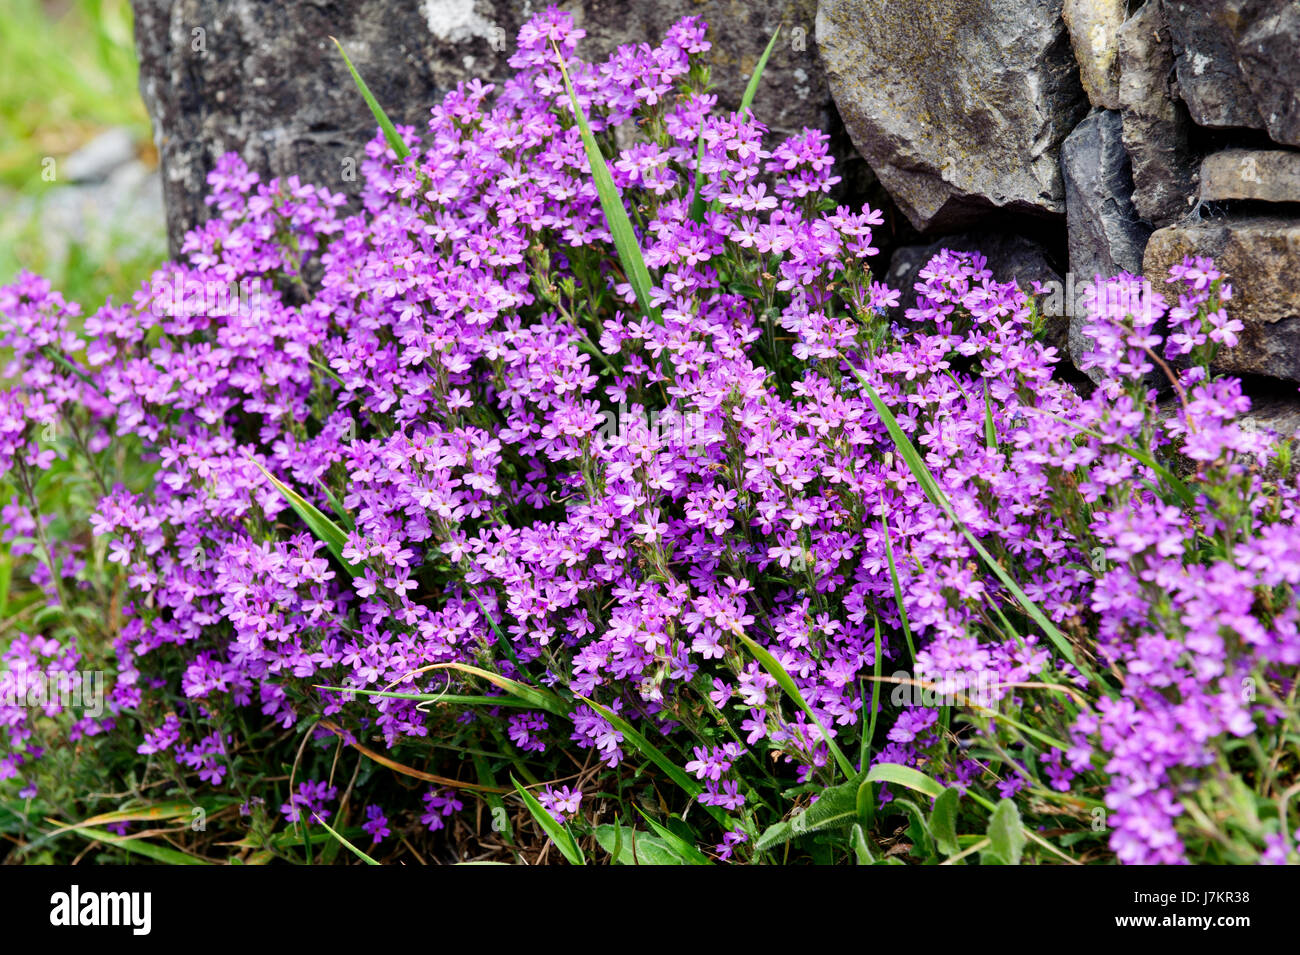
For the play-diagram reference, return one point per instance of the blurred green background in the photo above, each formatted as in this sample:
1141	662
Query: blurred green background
67	86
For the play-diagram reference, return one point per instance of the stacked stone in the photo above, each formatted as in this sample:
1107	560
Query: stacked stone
1158	131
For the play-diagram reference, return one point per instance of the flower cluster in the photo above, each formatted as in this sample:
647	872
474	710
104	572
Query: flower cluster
432	375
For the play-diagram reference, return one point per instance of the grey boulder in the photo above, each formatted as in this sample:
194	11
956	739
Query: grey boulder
1239	63
959	107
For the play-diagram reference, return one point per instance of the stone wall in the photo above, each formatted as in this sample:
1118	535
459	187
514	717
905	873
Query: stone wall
262	78
1067	137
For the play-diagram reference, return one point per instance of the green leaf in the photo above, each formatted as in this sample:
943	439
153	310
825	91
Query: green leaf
837	807
618	838
633	847
918	830
339	512
866	802
943	822
620	226
325	530
461	699
1006	833
751	88
786	682
689	853
561	836
502	640
905	776
864	748
861	851
390	133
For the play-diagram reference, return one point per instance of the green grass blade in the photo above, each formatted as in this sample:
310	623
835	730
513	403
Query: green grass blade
786	682
346	845
1185	494
620	226
502	640
137	846
647	748
461	699
158	812
751	88
898	586
344	517
698	205
561	836
990	432
390	132
653	753
325	530
495	802
688	852
931	487
539	699
864	749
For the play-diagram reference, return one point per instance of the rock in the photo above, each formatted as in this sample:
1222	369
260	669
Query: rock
1106	235
96	160
959	107
253	77
1094	34
1276	413
1156	123
1259	256
1010	258
1269	175
1239	63
1268	52
1210	80
793	92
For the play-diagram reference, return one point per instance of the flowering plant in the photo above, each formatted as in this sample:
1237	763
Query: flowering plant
588	461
